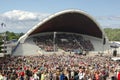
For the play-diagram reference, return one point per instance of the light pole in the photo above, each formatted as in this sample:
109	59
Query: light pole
54	41
3	25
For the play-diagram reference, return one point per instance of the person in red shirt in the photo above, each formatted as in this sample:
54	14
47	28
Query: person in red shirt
118	76
22	75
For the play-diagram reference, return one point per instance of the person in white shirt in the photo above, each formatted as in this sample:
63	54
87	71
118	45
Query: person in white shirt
81	74
1	77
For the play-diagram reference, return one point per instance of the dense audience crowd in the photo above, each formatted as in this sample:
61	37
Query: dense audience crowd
64	41
62	66
45	42
59	67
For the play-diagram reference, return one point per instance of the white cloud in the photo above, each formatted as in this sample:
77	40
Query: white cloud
108	18
17	20
23	15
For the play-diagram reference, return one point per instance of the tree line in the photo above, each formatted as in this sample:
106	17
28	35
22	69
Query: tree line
10	35
113	34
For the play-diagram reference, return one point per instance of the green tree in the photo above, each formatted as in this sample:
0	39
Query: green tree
112	34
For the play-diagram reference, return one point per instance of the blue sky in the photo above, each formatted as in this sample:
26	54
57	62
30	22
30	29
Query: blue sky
94	7
106	12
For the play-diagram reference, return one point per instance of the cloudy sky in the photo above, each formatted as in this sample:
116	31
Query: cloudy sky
21	15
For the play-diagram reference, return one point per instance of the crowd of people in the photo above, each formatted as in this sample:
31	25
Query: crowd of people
73	41
45	42
56	66
59	67
64	41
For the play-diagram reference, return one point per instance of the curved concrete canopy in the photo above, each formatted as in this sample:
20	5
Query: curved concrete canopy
75	21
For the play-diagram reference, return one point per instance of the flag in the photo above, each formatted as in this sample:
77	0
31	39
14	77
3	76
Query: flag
3	25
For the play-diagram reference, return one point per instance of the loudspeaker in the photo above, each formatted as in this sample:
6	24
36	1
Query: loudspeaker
104	41
115	53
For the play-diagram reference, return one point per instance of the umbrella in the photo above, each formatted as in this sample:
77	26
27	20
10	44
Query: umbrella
114	46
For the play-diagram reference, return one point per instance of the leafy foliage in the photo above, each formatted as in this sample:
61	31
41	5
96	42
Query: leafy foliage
113	34
11	35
